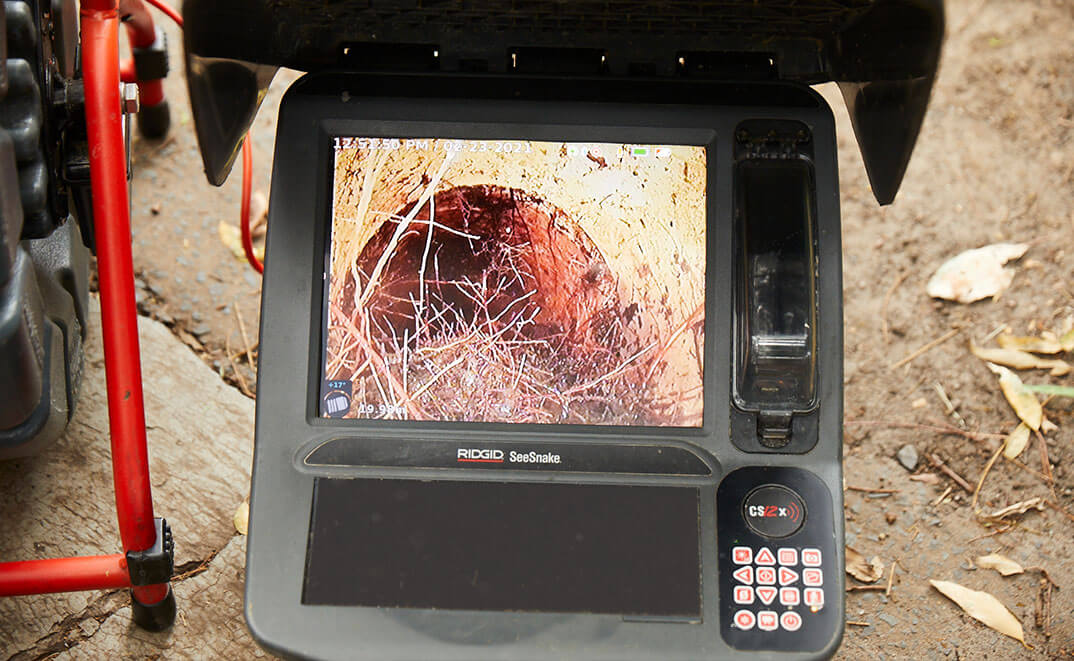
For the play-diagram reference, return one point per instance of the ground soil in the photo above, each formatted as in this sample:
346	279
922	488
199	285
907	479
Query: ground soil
995	162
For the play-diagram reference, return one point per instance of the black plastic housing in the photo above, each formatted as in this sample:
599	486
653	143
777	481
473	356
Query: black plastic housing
295	447
883	53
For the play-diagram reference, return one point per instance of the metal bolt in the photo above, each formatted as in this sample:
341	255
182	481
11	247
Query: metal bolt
130	98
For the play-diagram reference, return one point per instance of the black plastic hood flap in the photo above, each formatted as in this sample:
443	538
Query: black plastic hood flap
883	53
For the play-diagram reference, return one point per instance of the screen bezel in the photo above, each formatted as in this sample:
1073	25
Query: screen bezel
329	131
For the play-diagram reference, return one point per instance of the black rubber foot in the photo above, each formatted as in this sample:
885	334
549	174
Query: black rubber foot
154	121
154	617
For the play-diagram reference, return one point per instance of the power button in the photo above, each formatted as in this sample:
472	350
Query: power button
774	511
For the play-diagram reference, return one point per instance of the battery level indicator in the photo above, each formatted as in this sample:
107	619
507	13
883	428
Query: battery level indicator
639	151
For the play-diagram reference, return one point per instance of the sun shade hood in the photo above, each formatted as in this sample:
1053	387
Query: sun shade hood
882	53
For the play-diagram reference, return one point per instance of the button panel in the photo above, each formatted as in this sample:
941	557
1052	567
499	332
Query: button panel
789	593
779	590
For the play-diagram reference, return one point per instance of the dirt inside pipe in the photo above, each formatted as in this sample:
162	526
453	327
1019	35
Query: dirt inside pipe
487	271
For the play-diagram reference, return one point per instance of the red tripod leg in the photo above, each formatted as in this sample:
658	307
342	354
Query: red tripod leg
154	604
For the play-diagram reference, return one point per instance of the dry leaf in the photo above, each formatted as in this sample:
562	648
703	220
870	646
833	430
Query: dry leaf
976	274
1000	563
866	571
1020	360
1044	344
259	207
1019	508
1016	441
982	607
1047	426
1024	403
1066	340
231	237
242	518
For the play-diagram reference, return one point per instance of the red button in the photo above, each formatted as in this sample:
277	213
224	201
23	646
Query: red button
814	598
766	594
811	557
766	575
743	575
787	576
813	577
742	555
789	596
745	620
790	621
743	594
765	557
788	557
767	621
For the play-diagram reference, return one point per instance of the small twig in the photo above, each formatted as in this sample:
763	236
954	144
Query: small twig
940	429
245	339
404	224
865	588
235	369
1059	509
984	474
946	470
697	314
1027	469
884	330
202	566
931	345
943	496
626	363
948	406
851	487
855	623
1045	463
1009	528
995	331
891	578
378	364
1042	615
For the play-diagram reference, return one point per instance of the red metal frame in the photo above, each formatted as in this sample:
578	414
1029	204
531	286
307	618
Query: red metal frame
119	321
141	33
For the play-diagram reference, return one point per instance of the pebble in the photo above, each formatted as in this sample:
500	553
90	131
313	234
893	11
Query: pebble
893	621
201	277
196	316
907	456
252	279
203	329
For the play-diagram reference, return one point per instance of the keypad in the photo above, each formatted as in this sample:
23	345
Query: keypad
786	577
780	584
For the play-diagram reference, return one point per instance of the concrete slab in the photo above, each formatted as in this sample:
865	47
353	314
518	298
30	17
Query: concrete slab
61	503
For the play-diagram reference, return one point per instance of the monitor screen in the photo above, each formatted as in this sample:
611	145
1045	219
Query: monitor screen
515	281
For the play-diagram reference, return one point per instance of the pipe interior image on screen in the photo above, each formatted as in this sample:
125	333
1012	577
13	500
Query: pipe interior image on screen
515	281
